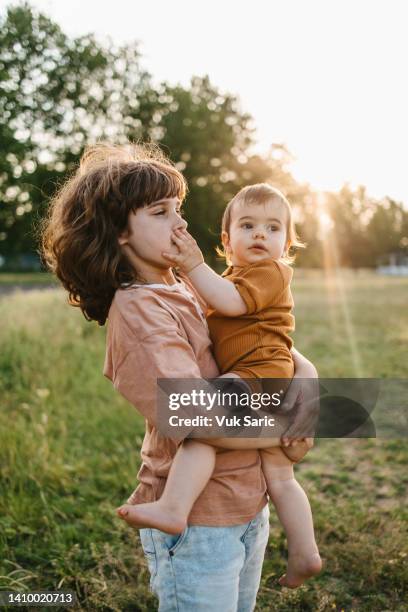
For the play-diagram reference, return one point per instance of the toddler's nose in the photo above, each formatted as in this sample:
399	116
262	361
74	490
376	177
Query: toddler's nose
259	233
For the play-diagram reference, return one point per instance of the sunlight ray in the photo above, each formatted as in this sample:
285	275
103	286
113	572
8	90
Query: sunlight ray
335	286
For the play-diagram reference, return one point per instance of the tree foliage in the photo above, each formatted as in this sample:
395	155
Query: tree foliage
58	94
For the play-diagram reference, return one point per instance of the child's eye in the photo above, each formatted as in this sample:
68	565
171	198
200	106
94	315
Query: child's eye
161	212
247	225
274	228
180	212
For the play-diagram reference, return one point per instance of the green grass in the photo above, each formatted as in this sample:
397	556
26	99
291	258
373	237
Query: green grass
69	452
26	278
353	325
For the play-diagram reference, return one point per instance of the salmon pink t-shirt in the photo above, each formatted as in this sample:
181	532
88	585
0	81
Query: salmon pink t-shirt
159	331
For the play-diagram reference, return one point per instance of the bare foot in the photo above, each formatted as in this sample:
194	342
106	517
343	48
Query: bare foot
152	515
300	568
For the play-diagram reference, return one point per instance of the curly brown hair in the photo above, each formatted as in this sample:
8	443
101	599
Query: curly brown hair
79	237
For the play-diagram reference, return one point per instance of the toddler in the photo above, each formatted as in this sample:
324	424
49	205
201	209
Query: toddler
249	321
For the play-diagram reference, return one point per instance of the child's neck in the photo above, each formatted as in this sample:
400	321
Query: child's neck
160	277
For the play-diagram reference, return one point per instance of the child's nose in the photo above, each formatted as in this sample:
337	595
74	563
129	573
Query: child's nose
259	232
180	224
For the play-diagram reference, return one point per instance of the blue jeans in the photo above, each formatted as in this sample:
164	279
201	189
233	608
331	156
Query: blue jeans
207	568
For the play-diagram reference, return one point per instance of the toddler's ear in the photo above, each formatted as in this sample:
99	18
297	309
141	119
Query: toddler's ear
225	241
286	249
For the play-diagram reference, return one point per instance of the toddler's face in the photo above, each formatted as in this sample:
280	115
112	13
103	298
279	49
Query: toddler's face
257	231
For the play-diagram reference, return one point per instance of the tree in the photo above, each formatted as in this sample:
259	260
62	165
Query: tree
387	231
56	94
208	136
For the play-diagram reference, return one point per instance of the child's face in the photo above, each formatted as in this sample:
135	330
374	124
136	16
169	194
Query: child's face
257	231
149	234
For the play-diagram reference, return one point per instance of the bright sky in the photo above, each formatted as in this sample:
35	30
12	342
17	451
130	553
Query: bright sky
328	78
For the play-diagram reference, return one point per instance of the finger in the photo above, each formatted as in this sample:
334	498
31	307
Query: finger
290	398
179	240
309	442
184	231
289	441
290	438
184	235
171	257
285	441
299	429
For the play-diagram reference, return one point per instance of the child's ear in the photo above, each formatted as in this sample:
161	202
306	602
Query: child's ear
123	238
225	241
286	249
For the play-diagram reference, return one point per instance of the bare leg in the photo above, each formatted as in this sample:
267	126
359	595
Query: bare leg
189	473
294	512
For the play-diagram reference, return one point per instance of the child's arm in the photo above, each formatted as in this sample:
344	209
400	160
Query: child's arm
218	292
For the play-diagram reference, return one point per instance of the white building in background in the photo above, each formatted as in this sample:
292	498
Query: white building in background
397	265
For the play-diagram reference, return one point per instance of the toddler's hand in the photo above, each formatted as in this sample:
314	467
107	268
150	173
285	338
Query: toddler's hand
189	256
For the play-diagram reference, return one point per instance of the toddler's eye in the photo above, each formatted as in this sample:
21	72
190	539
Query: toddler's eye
247	225
274	228
161	212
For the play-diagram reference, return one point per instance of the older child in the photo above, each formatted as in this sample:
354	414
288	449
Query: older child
104	236
249	324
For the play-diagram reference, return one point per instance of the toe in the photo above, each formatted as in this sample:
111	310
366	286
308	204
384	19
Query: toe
282	580
122	511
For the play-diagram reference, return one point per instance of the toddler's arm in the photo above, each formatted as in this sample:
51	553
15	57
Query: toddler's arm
218	292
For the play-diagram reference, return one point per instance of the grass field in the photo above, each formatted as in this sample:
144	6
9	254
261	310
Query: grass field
26	278
69	454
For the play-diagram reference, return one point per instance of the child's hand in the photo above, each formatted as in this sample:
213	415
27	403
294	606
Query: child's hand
298	449
303	398
189	256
